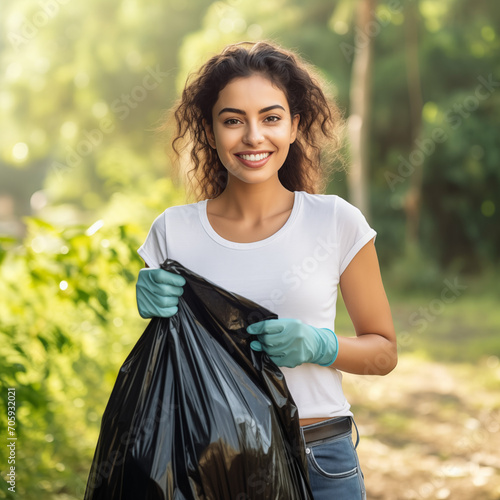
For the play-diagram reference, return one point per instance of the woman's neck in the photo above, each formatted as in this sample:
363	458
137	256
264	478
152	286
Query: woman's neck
252	202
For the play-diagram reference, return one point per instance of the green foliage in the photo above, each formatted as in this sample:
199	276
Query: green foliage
81	97
67	320
457	147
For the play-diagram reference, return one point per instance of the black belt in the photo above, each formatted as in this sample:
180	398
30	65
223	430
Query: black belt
328	429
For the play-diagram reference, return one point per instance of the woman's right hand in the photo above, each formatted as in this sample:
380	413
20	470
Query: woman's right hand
158	293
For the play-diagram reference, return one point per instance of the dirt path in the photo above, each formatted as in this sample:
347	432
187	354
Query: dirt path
429	431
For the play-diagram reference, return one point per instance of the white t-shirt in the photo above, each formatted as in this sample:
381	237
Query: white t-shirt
293	273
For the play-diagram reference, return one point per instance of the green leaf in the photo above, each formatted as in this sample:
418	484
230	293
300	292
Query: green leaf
102	297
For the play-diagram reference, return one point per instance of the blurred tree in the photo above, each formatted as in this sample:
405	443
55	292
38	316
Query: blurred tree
413	199
456	151
360	106
84	85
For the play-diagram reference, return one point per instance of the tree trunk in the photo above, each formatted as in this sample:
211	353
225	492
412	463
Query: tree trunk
413	199
359	119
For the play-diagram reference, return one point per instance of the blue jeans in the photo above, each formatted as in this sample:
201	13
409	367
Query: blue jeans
334	471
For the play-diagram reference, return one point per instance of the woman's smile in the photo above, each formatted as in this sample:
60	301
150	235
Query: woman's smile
255	159
252	129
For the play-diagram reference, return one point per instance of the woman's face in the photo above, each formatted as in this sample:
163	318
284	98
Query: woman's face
252	129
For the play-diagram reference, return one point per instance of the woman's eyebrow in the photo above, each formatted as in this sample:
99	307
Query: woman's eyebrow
241	112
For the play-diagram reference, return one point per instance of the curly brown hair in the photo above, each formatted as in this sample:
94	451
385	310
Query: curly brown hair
320	127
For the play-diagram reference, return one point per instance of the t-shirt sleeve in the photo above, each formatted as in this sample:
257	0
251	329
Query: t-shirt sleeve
353	232
154	249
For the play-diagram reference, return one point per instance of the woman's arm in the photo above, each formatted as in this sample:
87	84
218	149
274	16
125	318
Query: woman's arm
374	349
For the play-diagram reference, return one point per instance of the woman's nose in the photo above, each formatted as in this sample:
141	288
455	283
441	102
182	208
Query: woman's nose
253	134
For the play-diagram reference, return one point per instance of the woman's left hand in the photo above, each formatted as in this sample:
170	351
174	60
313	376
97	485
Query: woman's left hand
289	342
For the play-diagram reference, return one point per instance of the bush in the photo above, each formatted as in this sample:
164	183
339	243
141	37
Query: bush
67	320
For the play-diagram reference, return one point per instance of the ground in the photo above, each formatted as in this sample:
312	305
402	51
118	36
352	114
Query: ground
429	430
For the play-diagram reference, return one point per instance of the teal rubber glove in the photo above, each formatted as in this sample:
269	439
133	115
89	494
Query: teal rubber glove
158	292
289	342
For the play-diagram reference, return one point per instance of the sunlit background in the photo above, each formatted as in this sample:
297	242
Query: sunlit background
83	175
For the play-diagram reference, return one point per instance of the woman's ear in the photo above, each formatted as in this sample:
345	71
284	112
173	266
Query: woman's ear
209	133
295	128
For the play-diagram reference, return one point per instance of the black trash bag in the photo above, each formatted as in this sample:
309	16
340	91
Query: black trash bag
196	414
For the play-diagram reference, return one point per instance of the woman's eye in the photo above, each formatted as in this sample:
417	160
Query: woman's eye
232	121
273	118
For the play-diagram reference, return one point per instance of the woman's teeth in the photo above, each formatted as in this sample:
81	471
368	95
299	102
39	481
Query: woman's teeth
258	157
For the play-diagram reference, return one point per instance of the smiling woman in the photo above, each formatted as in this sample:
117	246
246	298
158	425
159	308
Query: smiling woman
256	123
252	142
319	130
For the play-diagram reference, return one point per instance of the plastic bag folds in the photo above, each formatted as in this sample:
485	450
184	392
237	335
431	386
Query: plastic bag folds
195	413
